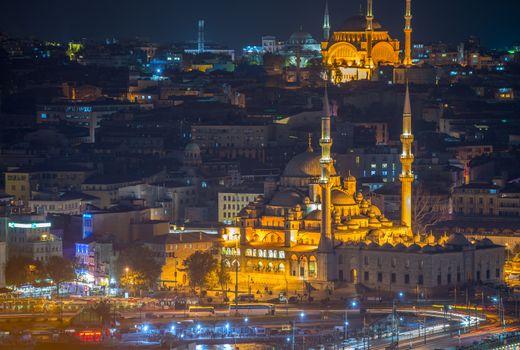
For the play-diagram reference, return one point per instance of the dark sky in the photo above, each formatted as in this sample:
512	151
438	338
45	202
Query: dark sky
240	22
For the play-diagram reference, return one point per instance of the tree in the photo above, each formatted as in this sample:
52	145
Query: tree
137	268
60	270
222	273
199	266
428	208
102	309
21	270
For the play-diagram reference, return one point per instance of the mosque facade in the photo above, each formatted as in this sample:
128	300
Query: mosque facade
314	231
361	44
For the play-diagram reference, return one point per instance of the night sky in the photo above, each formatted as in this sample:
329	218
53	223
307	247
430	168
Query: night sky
238	23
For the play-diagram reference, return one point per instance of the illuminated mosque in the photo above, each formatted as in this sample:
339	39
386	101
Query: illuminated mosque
314	231
361	44
300	49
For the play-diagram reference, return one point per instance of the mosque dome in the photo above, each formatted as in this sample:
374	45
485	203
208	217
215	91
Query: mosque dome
192	154
375	210
306	164
458	239
288	198
341	198
429	249
357	23
400	246
414	248
486	242
300	38
192	147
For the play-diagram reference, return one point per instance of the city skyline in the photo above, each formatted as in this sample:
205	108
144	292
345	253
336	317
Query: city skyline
242	24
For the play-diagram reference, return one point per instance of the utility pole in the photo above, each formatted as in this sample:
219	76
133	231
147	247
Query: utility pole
236	273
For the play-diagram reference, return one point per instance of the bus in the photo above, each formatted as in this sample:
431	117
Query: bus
251	309
201	311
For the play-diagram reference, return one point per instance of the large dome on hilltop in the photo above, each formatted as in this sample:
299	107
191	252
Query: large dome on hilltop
357	23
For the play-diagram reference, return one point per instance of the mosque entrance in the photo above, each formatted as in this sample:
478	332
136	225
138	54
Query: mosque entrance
353	276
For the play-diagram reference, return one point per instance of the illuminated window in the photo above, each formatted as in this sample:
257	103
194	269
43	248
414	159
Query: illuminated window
384	165
373	166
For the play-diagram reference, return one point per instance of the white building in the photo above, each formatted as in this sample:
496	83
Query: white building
232	201
33	239
67	203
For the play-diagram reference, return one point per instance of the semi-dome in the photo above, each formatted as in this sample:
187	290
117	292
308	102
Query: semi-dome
287	198
339	198
306	164
358	24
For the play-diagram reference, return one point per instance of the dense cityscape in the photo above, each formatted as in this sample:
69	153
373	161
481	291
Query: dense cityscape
354	188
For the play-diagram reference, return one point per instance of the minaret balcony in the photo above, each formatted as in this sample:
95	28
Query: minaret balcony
407	138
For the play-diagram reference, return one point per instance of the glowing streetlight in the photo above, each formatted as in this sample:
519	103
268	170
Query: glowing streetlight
246	320
302	314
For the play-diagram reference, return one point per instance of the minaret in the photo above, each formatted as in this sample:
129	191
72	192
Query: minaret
407	61
326	239
326	23
369	29
406	176
200	40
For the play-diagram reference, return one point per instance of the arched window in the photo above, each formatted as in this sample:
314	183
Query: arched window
281	267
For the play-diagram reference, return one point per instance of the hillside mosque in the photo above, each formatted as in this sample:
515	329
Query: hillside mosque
361	44
314	231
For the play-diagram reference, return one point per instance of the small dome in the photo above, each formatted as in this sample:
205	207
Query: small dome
414	248
458	239
400	246
486	242
429	249
314	215
287	198
306	164
375	210
359	196
341	198
358	24
373	220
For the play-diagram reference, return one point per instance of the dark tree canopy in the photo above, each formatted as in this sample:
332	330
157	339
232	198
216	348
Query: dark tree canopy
22	270
199	266
142	266
60	270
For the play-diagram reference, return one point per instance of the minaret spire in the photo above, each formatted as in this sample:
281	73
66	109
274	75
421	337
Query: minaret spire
407	61
309	143
326	238
369	29
326	23
407	158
